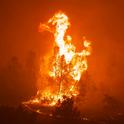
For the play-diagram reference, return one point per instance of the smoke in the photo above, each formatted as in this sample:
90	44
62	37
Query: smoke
100	21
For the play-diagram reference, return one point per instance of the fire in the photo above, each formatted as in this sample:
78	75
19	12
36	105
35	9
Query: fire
67	65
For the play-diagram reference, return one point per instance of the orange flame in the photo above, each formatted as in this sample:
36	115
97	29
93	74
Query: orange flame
67	65
66	49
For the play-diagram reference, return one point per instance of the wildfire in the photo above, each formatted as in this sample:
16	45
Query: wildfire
66	66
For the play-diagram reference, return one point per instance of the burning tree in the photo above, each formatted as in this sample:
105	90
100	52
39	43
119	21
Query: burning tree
66	64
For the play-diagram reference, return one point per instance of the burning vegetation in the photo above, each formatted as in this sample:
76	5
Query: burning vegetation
66	65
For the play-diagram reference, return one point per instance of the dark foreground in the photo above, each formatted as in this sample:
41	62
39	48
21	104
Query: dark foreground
19	115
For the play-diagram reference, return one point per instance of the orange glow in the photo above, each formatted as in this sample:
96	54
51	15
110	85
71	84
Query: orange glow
67	65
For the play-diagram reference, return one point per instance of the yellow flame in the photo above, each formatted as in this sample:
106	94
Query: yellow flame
67	65
61	22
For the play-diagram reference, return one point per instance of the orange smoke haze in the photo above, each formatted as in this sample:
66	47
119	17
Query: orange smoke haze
99	20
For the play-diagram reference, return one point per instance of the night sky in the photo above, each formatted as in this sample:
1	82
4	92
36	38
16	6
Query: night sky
101	21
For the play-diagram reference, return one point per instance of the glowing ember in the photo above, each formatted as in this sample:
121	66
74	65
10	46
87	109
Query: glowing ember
67	65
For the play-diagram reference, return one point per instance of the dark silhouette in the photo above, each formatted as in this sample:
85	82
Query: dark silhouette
17	83
65	114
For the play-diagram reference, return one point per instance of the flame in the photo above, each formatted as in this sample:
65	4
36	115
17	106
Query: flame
66	49
67	65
